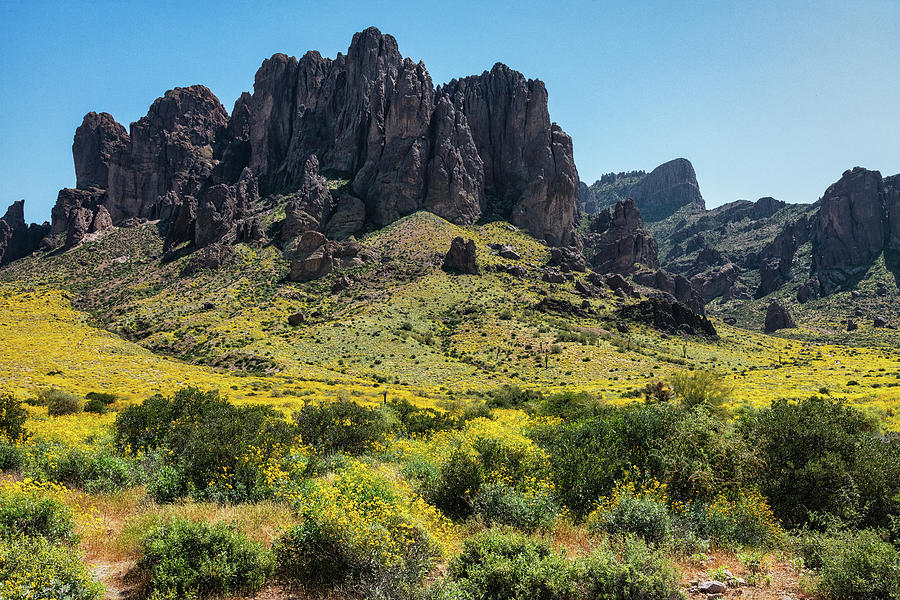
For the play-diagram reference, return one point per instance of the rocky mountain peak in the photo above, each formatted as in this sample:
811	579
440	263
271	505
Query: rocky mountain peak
667	188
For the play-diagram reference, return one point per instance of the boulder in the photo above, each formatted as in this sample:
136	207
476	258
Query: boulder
879	321
209	258
567	259
778	317
310	256
296	319
716	281
553	276
508	253
462	257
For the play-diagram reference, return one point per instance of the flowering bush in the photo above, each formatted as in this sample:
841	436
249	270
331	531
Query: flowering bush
32	568
364	529
34	509
633	509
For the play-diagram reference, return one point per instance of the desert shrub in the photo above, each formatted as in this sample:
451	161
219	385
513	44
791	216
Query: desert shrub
12	419
102	397
693	453
221	452
627	569
98	402
452	466
34	509
499	504
363	531
852	564
418	421
702	388
636	511
187	559
166	485
341	426
743	518
821	458
569	406
502	565
33	568
60	403
11	455
96	470
511	396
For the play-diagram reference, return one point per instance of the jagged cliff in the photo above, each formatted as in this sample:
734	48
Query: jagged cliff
481	144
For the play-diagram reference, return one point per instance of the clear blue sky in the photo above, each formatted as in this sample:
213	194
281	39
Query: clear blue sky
765	98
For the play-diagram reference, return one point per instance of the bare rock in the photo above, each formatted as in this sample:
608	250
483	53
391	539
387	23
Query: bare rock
716	281
667	188
778	317
668	316
462	257
624	243
567	259
97	141
17	238
102	221
348	218
310	207
295	319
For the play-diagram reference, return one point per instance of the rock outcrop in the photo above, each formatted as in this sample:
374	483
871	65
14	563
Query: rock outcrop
462	257
778	317
371	117
98	140
667	188
668	316
17	238
624	243
851	228
776	260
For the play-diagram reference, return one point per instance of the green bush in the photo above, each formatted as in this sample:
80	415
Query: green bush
501	565
11	456
852	564
643	517
220	451
102	397
693	453
12	419
185	559
96	406
569	406
458	479
627	570
27	510
743	519
510	566
702	388
419	421
499	504
33	568
512	396
341	426
166	485
821	459
96	470
60	403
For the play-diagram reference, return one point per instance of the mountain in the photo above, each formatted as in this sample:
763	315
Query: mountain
658	194
371	119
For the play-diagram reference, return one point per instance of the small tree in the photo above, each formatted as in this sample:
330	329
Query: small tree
12	419
702	388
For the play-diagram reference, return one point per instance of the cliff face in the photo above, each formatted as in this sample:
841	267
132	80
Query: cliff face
853	226
667	188
482	143
17	238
